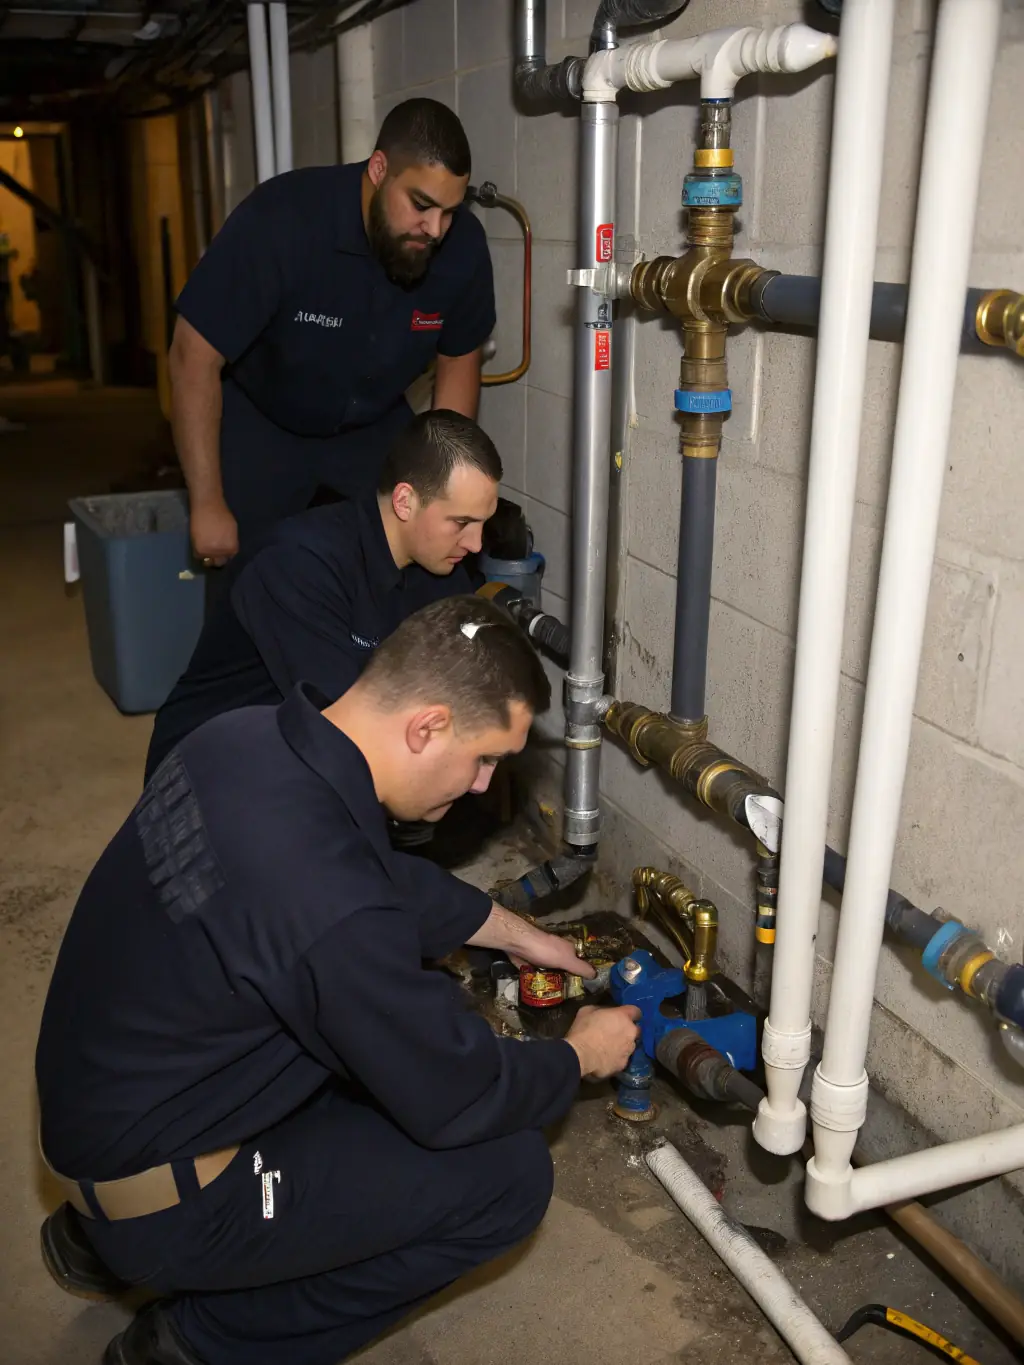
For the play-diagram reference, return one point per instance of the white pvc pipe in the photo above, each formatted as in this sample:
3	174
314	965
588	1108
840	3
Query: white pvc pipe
259	69
854	192
282	86
966	41
763	1281
937	1168
720	58
355	93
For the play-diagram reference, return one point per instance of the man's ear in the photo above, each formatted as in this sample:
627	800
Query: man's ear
425	725
377	169
404	501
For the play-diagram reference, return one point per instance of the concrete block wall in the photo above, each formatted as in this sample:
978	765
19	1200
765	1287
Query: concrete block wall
960	845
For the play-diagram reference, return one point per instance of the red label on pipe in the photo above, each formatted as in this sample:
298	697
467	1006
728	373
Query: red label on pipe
602	350
603	246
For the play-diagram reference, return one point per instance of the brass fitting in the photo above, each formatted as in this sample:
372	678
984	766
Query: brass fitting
999	320
691	923
703	285
682	750
705	941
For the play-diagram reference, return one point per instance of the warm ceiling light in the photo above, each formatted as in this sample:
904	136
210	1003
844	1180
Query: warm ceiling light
19	131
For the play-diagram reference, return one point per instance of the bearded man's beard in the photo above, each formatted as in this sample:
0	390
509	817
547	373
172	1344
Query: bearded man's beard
403	265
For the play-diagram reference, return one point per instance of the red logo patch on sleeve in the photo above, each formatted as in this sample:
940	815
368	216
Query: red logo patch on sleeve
426	322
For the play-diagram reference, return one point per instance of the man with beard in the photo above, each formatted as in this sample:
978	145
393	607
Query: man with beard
327	292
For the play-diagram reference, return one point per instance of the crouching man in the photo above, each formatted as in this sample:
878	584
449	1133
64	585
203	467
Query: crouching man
257	1099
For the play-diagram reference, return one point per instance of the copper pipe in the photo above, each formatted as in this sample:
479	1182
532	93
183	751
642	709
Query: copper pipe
518	212
957	1259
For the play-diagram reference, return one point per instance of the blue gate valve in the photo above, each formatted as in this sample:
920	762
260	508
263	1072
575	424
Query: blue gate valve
638	980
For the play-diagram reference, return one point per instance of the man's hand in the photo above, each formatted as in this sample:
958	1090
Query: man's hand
524	942
214	532
604	1039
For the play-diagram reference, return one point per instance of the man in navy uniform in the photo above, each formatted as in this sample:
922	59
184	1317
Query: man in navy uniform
327	292
258	1098
322	589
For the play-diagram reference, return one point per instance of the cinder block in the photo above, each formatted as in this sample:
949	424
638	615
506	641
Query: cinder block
485	108
648	635
1001	200
745	358
428	41
507	265
484	33
546	155
551	536
757	545
787	388
554	305
324	72
655	490
578	17
503	417
795	174
904	134
957	639
443	91
984	489
1002	717
659	349
387	52
549	449
959	844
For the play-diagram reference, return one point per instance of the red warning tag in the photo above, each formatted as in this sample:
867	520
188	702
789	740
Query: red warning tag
603	245
602	350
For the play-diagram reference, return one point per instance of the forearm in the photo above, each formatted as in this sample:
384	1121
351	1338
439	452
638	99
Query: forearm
507	932
457	383
196	405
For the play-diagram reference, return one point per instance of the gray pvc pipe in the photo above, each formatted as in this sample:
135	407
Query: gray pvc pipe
794	301
693	587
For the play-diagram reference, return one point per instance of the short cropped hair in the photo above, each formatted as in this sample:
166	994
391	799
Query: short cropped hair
464	652
432	447
425	133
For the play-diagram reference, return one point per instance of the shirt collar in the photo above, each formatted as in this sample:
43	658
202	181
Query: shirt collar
330	753
351	230
380	562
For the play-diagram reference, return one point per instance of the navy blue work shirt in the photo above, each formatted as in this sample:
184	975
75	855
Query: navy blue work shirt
310	604
313	331
248	935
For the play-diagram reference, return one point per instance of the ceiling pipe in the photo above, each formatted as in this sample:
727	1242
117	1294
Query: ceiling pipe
961	81
282	87
259	71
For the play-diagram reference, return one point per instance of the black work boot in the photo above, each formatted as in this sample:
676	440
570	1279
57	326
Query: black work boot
69	1257
150	1339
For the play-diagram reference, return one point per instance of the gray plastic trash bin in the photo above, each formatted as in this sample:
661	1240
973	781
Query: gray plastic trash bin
143	617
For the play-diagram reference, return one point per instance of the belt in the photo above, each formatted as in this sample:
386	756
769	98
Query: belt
135	1196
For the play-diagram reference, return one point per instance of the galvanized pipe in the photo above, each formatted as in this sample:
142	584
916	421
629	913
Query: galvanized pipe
591	468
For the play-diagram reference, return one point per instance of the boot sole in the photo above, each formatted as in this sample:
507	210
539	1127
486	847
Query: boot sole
82	1287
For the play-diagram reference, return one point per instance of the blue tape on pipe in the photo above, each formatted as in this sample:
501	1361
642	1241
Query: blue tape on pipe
937	945
692	400
713	191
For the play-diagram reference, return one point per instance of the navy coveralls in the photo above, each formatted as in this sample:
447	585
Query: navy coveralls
245	965
312	602
320	345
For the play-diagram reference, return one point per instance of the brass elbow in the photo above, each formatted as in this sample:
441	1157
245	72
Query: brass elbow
691	923
999	320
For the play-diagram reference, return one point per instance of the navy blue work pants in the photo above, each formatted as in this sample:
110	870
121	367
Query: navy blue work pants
270	474
325	1231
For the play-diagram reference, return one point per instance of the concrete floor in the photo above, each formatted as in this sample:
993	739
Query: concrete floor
616	1274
